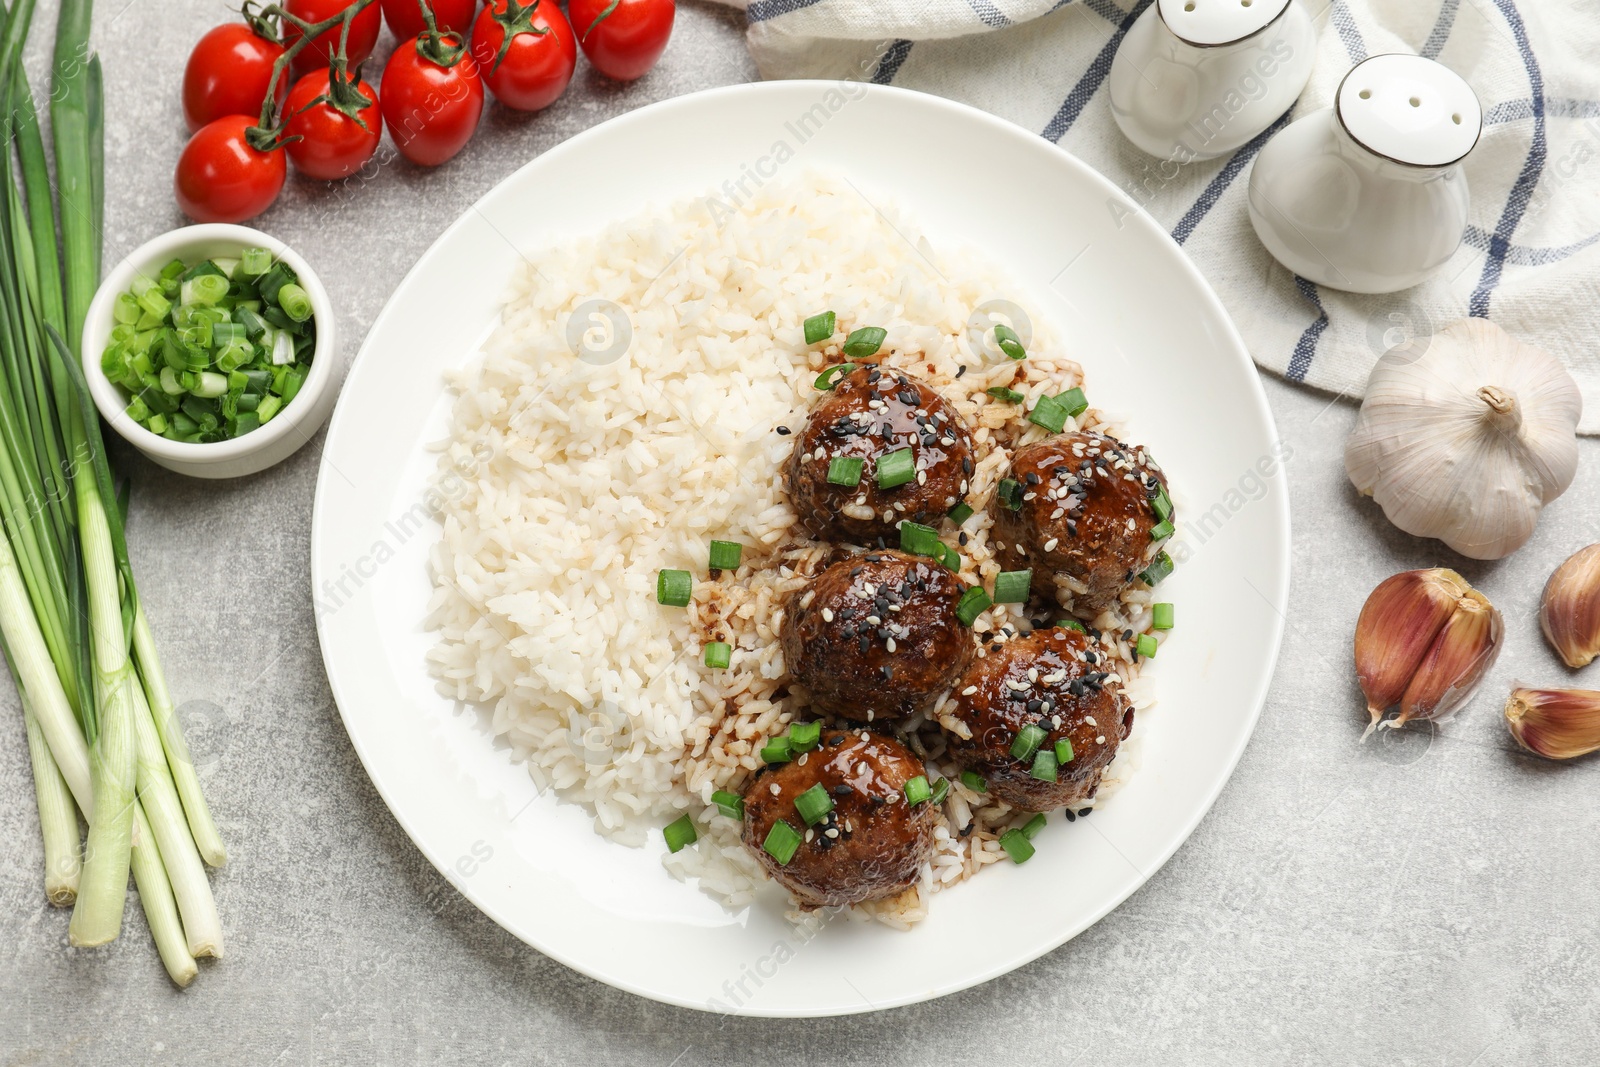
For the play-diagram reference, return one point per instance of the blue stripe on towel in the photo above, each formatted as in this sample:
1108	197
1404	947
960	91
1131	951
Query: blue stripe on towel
1349	33
1527	180
1441	29
1092	78
1558	108
1223	179
1305	349
893	57
1524	255
761	10
992	16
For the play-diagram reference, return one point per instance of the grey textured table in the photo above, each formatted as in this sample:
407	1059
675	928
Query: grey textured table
1430	899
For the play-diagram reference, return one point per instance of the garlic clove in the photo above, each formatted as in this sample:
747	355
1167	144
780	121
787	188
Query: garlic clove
1465	436
1555	723
1397	627
1461	655
1569	614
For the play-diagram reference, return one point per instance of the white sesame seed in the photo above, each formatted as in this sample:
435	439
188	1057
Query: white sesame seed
827	614
1049	546
1033	674
969	690
889	645
873	620
1100	740
1090	720
922	477
810	834
832	831
774	788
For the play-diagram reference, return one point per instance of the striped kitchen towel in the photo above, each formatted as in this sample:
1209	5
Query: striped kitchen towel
1531	259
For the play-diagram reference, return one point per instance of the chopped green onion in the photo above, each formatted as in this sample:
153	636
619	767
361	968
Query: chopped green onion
718	654
1031	828
1009	342
1072	624
781	843
865	342
1017	846
1161	616
973	602
1027	742
1010	396
960	513
729	804
1159	568
1161	531
776	750
1074	401
896	468
820	327
254	262
814	804
845	470
917	790
295	301
205	290
1044	765
828	378
919	540
1049	414
673	588
1011	587
1146	646
950	558
1010	493
941	789
680	832
725	555
1064	751
974	781
1161	504
804	736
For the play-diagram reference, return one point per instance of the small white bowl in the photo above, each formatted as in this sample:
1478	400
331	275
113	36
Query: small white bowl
295	423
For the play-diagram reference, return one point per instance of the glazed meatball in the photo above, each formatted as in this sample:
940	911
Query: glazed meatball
1055	679
875	637
870	844
1083	526
874	411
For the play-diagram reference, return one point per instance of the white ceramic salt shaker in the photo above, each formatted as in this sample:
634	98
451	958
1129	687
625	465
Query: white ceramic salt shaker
1195	79
1368	196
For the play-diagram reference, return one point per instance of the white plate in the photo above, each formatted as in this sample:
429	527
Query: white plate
1155	343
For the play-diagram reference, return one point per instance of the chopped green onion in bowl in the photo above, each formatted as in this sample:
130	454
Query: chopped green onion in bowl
211	351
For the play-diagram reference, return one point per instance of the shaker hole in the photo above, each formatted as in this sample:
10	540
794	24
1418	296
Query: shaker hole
1244	3
1416	102
1366	94
1456	119
1189	6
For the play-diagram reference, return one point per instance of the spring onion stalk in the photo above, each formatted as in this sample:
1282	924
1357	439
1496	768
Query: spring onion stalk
58	818
74	111
195	809
187	875
160	910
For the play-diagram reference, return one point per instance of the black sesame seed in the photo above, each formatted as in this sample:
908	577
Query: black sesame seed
1071	817
1083	813
784	430
961	370
962	539
1031	478
842	790
865	643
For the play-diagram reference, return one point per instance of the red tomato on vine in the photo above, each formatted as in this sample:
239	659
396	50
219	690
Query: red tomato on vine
526	52
622	38
364	27
432	98
228	73
333	124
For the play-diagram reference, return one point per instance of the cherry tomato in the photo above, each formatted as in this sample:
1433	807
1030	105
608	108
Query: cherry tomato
221	177
622	38
332	144
227	74
404	17
431	110
363	33
537	65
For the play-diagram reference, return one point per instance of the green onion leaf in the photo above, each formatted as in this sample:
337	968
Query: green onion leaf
1161	504
950	558
864	342
1161	616
782	841
845	470
776	750
1027	742
919	540
917	790
1146	646
974	782
820	327
729	804
814	804
1159	568
1011	587
725	555
1049	414
1017	846
1031	828
896	468
673	588
680	832
804	736
1072	624
1074	401
960	513
1064	751
718	654
1044	765
1010	493
973	602
1010	396
1161	531
829	377
941	789
1009	342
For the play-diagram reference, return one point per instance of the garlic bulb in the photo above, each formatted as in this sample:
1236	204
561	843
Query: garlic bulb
1465	437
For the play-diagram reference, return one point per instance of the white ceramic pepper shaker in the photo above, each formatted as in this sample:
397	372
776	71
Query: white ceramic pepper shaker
1368	196
1195	79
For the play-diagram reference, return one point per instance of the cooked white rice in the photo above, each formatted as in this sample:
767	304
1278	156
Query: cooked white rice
584	478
